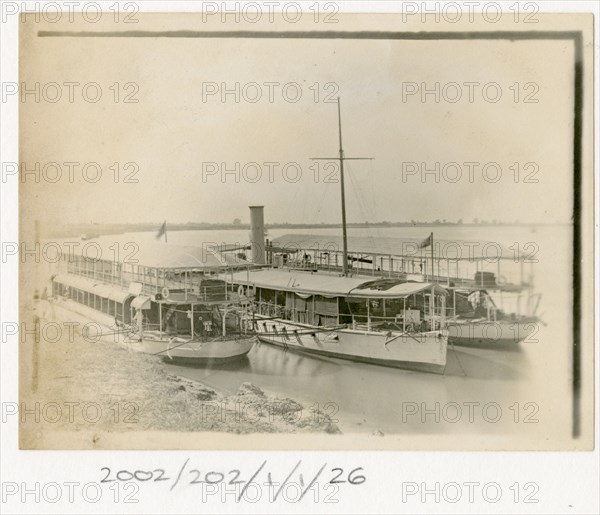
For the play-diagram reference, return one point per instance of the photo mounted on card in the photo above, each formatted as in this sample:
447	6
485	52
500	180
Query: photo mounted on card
328	232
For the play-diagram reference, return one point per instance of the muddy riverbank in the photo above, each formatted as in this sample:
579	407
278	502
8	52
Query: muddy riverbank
72	384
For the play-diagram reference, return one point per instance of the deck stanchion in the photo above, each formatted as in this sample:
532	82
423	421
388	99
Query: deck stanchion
454	302
192	320
160	318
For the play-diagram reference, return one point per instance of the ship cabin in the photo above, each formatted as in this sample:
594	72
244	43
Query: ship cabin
157	290
321	299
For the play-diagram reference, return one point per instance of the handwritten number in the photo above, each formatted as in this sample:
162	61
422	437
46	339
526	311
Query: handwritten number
195	481
105	479
220	475
126	472
356	479
335	479
160	477
353	478
142	475
236	474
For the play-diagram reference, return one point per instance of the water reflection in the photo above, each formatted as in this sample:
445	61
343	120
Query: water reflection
268	360
231	365
372	398
486	363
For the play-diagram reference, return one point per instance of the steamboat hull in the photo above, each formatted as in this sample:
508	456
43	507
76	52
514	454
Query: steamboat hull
101	326
424	352
500	334
216	351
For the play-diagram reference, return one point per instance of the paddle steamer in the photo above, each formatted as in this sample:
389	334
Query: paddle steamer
166	300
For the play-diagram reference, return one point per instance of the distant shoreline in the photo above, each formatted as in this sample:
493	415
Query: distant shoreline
105	229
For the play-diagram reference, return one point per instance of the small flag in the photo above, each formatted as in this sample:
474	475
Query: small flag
426	242
162	231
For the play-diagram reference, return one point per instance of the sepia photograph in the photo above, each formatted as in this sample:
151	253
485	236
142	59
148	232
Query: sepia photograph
301	229
225	234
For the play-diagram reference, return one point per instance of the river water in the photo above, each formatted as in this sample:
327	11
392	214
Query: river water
524	392
483	391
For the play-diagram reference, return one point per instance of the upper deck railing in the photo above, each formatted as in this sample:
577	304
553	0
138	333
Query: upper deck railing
152	280
503	273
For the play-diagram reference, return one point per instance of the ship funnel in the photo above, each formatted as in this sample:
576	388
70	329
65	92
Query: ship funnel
257	235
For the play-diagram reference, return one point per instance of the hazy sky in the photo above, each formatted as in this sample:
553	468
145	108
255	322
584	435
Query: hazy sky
173	133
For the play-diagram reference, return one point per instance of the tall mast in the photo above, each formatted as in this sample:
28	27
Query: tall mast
341	158
344	228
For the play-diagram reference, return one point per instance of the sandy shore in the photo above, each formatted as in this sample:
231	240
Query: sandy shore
72	384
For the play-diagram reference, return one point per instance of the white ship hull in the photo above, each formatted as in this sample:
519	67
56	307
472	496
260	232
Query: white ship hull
420	351
176	349
490	334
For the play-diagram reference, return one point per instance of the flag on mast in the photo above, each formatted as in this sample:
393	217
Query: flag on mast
426	242
162	231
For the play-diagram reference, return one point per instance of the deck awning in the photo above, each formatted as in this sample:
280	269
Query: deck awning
119	295
74	281
400	290
93	287
102	290
141	302
305	284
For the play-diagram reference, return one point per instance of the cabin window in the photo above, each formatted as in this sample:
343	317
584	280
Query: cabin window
376	308
267	295
272	303
296	307
325	310
393	307
358	309
119	311
213	289
116	271
417	301
345	312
